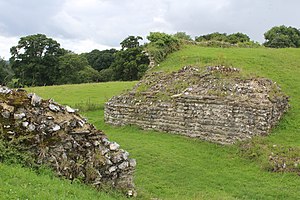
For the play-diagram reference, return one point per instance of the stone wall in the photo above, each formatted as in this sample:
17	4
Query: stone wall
209	106
57	136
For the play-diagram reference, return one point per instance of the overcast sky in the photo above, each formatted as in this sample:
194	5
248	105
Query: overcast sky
84	25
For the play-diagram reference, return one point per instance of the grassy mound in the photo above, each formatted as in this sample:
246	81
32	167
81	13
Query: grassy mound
175	167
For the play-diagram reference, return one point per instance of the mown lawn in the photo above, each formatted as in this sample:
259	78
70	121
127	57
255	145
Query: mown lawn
176	167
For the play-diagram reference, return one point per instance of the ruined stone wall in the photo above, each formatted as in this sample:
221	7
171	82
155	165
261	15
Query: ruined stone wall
57	136
216	118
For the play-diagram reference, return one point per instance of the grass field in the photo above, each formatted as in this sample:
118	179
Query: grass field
280	65
176	167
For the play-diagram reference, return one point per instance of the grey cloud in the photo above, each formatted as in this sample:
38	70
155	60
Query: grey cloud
107	22
25	17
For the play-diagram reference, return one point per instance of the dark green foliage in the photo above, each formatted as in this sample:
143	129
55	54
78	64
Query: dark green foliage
212	36
183	36
100	60
163	40
35	59
106	75
74	68
88	75
131	42
233	38
6	72
12	155
130	64
282	36
161	44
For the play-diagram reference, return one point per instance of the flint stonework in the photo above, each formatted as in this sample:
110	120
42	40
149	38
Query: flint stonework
214	104
59	137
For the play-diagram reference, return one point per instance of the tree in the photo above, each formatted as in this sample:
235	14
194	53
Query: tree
74	68
282	36
88	75
182	36
235	38
6	72
131	42
100	60
161	45
216	36
131	62
163	40
35	59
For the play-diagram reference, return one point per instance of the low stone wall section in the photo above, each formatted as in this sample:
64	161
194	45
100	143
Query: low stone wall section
216	118
57	136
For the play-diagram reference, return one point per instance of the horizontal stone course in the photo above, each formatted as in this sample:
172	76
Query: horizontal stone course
224	119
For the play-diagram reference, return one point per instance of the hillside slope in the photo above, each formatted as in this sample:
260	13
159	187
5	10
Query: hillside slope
175	167
280	65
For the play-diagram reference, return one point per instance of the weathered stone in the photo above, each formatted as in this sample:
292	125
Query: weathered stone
132	162
123	165
112	169
25	124
96	143
4	90
6	114
31	127
11	132
54	107
125	155
69	109
213	104
56	128
60	138
114	146
19	116
35	100
116	158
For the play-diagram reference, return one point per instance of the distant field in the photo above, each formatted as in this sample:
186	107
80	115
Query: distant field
176	167
83	94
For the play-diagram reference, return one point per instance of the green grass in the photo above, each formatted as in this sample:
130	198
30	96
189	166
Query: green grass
176	167
280	65
83	94
22	183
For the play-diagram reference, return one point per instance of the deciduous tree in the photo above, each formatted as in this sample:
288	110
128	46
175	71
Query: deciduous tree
100	60
182	36
131	62
131	42
6	72
35	59
282	36
74	68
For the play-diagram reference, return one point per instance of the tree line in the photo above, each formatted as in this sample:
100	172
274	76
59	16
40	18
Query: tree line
39	60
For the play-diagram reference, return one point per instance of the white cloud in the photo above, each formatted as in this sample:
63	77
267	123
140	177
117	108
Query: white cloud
5	44
82	46
105	23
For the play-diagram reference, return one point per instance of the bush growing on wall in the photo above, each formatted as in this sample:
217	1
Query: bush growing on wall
223	40
161	44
